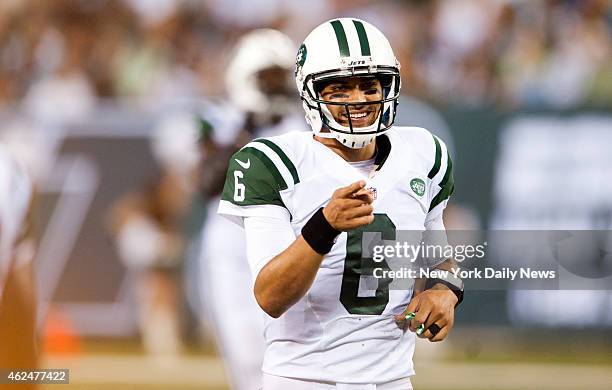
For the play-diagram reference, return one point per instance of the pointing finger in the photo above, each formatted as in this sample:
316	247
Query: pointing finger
347	191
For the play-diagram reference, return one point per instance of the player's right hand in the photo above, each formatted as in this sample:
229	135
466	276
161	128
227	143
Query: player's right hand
350	207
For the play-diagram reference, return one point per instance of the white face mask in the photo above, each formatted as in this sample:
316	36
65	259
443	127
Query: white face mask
352	138
320	117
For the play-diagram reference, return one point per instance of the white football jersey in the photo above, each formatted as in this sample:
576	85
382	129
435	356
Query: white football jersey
336	332
15	198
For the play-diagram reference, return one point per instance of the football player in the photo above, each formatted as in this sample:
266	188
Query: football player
305	201
261	102
150	227
17	309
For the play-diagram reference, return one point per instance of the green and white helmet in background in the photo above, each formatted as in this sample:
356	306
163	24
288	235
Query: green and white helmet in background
342	48
255	52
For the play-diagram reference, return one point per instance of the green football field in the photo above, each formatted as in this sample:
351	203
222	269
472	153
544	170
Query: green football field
471	359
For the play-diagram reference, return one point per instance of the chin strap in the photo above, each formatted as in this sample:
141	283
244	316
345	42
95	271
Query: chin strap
326	134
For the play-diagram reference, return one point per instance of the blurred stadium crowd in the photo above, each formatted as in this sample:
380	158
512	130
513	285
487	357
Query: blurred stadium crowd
109	90
511	53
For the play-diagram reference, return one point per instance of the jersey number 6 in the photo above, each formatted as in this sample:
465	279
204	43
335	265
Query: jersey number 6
239	188
353	269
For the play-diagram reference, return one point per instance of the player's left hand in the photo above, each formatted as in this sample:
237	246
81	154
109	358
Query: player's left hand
435	306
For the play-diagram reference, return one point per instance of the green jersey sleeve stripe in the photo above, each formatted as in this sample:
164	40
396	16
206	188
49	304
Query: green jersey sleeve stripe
363	38
436	168
443	195
283	157
341	38
448	174
205	129
254	179
276	160
278	178
447	184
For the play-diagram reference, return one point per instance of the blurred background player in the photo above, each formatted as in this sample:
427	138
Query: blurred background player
150	226
17	293
262	102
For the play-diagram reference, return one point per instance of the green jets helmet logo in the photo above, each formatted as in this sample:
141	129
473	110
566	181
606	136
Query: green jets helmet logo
300	59
418	186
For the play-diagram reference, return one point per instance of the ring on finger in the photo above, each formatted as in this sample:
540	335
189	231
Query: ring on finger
434	329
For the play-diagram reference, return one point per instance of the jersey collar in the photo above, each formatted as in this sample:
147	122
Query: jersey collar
383	149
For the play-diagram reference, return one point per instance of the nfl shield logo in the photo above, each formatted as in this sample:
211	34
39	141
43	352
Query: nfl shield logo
373	191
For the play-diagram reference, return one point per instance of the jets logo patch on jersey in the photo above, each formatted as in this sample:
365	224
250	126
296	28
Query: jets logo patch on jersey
418	186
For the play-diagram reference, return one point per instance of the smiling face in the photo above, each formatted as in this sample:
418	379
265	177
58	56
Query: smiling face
353	90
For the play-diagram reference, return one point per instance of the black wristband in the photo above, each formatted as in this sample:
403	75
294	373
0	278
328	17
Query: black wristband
456	290
319	234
